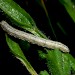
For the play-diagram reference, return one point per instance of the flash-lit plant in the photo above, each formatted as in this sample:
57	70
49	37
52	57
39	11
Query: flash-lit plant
58	63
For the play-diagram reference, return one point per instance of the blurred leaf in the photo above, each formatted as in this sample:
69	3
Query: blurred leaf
42	4
16	50
61	28
70	7
44	73
42	55
24	45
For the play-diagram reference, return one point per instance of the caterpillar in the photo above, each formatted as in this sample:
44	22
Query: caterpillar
33	39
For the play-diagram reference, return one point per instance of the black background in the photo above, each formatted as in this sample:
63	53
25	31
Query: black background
57	13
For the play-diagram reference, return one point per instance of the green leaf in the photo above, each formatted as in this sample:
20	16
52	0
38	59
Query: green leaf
66	64
54	62
18	14
57	64
20	17
16	50
72	61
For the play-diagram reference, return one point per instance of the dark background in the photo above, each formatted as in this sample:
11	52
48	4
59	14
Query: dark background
57	13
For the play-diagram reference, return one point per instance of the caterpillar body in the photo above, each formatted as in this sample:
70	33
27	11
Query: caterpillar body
32	39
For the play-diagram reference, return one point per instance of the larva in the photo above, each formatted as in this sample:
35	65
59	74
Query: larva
33	39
